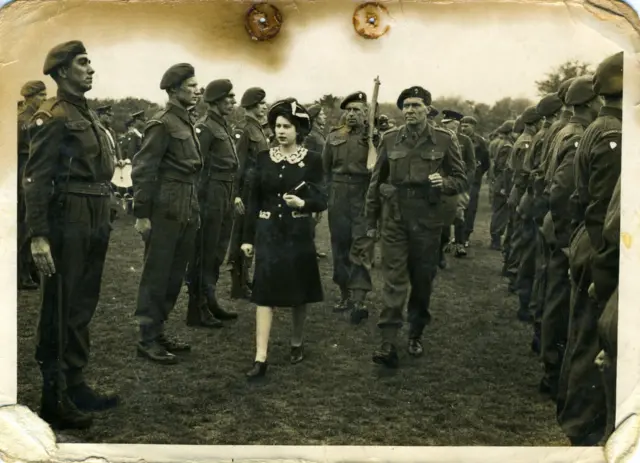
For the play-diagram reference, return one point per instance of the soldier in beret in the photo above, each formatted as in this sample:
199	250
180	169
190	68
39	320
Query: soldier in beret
315	142
165	174
105	114
131	142
250	141
417	165
516	187
451	121
69	226
34	93
468	126
383	123
554	323
581	397
345	166
217	200
433	113
501	149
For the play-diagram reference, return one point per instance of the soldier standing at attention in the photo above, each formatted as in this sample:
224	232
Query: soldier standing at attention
467	126
216	198
315	142
132	140
67	197
250	141
451	121
34	93
345	166
417	164
165	174
105	113
500	149
581	397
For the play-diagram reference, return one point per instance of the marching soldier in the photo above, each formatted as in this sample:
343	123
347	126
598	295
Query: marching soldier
500	150
581	398
218	201
132	140
165	174
69	228
467	126
451	121
315	142
417	164
345	165
251	141
34	93
555	317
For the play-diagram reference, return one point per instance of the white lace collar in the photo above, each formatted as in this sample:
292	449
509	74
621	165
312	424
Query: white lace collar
277	155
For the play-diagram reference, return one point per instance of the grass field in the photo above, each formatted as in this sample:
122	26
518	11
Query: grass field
475	385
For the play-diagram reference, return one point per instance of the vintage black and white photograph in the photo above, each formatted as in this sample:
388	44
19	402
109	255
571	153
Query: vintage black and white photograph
331	224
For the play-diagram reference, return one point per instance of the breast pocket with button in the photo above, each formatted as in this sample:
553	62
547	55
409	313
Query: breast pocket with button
84	140
425	164
181	143
398	166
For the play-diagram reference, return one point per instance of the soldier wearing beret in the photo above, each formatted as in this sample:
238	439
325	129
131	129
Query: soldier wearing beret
517	128
417	165
34	93
451	121
132	141
383	123
581	397
250	141
345	166
585	105
433	113
165	174
315	142
217	198
468	126
67	197
499	153
105	113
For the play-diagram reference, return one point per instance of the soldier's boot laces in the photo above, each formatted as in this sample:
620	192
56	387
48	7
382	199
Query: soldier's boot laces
157	353
60	412
415	347
88	400
386	355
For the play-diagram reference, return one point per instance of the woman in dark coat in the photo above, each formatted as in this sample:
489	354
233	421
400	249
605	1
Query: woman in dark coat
286	189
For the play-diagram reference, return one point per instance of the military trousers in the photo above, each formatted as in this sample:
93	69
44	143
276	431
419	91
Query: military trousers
351	248
527	262
168	247
25	262
240	264
536	306
410	242
79	240
607	329
499	217
472	209
212	241
581	405
514	253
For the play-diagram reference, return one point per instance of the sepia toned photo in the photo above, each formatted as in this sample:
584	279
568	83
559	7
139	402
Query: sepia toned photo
377	226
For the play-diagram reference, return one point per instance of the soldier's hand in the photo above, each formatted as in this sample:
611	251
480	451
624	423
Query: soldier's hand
143	226
41	252
239	206
436	180
503	192
372	233
247	249
293	201
592	291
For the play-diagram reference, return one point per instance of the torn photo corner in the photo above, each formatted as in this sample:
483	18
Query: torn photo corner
472	328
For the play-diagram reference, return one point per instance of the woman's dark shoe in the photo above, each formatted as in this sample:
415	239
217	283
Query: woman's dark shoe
258	371
297	354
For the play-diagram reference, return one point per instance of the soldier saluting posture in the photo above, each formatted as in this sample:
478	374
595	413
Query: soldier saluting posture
417	164
165	174
69	228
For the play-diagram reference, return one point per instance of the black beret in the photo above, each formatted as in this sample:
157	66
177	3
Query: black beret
414	92
451	115
217	90
564	88
314	110
506	127
176	74
104	109
531	115
607	80
580	91
62	54
518	125
290	108
433	112
549	105
357	97
252	96
469	120
33	87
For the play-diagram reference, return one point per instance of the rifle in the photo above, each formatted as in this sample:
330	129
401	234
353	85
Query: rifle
373	154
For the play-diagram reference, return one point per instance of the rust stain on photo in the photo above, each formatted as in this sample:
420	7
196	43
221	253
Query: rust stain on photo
263	21
369	20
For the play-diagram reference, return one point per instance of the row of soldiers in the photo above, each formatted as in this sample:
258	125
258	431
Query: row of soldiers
555	187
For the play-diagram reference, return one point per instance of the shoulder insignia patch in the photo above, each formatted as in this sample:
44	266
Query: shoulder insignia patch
39	121
575	144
